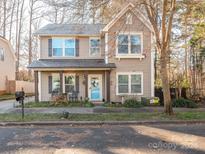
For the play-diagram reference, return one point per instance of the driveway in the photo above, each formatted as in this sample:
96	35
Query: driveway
8	105
104	139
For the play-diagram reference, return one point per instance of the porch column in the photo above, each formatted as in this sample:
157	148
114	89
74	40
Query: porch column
108	85
86	84
36	86
61	82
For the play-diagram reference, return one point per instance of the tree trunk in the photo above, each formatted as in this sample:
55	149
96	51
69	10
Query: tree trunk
4	21
30	37
180	92
17	27
176	93
11	20
165	85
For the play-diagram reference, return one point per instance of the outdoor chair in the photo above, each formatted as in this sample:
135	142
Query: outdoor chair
56	95
73	96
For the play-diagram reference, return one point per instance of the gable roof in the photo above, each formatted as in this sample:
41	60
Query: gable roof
130	7
70	29
9	44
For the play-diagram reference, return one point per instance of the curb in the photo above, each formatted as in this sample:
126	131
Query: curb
93	123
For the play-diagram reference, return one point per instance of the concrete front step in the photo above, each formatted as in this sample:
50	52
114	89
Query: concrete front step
98	103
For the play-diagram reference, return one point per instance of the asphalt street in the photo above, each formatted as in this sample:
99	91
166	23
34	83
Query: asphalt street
104	139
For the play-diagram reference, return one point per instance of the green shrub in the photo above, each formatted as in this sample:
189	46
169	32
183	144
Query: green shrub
132	103
59	103
87	103
181	102
112	104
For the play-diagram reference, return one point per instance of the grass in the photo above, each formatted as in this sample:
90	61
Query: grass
105	117
7	97
10	96
61	104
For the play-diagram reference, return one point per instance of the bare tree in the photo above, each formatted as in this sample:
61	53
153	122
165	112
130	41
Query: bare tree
11	19
19	37
4	19
162	34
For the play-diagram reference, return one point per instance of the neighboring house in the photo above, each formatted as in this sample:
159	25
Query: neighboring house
101	62
7	64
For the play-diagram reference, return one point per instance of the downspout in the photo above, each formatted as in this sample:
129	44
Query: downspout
106	48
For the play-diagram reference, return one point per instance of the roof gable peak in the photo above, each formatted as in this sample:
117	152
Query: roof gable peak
128	7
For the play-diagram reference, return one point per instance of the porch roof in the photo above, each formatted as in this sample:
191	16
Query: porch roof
70	64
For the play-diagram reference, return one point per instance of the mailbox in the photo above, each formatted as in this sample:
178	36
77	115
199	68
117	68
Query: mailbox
19	95
20	98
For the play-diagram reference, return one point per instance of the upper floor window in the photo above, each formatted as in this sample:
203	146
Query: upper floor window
63	47
94	46
129	18
1	54
129	44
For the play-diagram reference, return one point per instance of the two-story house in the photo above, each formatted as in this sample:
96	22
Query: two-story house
101	62
7	66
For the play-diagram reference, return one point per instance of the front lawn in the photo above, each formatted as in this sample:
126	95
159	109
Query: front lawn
58	104
7	97
105	117
11	96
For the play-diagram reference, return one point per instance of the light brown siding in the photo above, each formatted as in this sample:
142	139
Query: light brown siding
7	67
130	65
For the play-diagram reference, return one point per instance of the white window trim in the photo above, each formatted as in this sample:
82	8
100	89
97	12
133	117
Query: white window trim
94	38
68	74
130	55
129	83
63	47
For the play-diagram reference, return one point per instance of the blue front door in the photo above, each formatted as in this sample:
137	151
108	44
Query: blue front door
95	88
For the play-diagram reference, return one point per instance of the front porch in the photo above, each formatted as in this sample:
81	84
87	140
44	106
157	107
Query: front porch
88	84
90	78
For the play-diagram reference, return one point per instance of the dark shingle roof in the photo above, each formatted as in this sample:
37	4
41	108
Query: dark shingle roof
70	63
70	29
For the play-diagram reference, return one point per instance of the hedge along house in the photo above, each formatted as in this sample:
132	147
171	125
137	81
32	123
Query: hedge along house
100	62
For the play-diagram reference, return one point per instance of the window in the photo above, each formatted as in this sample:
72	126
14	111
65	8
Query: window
123	84
56	82
135	44
123	44
129	83
63	47
57	47
94	46
129	18
69	83
1	54
129	44
70	47
136	83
